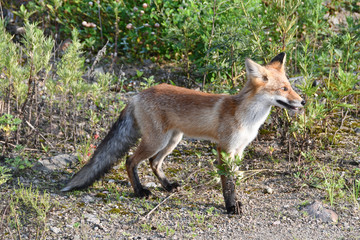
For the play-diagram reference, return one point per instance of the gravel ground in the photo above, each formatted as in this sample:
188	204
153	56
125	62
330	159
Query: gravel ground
272	202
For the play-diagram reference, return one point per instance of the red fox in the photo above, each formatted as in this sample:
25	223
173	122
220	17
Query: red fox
162	114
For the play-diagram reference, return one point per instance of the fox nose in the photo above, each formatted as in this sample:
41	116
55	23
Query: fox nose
303	102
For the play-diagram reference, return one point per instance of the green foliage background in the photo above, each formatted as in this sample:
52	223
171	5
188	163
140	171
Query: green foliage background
209	40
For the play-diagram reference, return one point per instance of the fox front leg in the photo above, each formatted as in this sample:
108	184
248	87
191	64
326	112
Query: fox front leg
228	187
229	193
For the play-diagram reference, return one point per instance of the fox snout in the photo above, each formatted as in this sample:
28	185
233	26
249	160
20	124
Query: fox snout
291	104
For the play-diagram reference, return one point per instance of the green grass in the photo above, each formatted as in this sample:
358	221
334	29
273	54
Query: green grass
28	206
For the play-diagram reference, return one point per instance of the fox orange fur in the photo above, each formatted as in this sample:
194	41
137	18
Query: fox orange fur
162	114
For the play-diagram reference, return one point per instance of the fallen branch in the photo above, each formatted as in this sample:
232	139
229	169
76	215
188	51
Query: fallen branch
157	206
256	171
33	128
167	198
174	193
26	149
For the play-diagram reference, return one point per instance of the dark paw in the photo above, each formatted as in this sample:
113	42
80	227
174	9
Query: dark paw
236	210
143	193
173	187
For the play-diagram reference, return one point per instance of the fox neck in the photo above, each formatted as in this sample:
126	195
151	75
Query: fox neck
253	107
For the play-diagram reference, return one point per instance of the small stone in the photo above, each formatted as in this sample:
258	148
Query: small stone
56	230
277	222
57	162
87	199
93	107
19	30
268	190
357	130
318	211
92	218
150	184
99	70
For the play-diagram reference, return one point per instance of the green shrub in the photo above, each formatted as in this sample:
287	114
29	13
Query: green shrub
210	39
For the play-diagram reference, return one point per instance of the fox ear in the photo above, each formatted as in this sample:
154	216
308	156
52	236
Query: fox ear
253	69
278	62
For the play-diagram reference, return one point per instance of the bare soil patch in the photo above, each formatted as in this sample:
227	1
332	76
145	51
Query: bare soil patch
108	210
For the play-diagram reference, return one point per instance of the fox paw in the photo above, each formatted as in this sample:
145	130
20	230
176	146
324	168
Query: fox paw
143	193
173	187
235	209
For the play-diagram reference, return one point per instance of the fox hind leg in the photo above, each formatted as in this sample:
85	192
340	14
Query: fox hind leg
157	160
144	151
149	147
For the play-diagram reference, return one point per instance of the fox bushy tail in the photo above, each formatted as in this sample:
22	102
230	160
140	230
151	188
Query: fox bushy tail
121	137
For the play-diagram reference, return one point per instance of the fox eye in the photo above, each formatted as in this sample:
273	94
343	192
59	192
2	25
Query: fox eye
284	89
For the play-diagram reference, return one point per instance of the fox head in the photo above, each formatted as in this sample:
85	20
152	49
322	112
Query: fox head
270	82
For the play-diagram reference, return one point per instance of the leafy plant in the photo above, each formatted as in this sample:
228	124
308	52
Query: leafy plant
356	190
29	206
18	162
8	124
148	82
333	184
230	166
4	174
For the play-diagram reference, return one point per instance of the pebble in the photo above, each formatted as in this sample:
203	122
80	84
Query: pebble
357	130
268	190
318	211
92	218
87	199
56	230
99	70
150	184
55	163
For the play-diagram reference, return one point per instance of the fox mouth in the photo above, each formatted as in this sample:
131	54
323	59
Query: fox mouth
287	106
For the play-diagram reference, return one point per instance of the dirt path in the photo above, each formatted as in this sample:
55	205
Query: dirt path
272	196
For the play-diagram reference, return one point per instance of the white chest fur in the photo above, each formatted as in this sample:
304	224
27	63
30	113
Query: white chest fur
251	121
